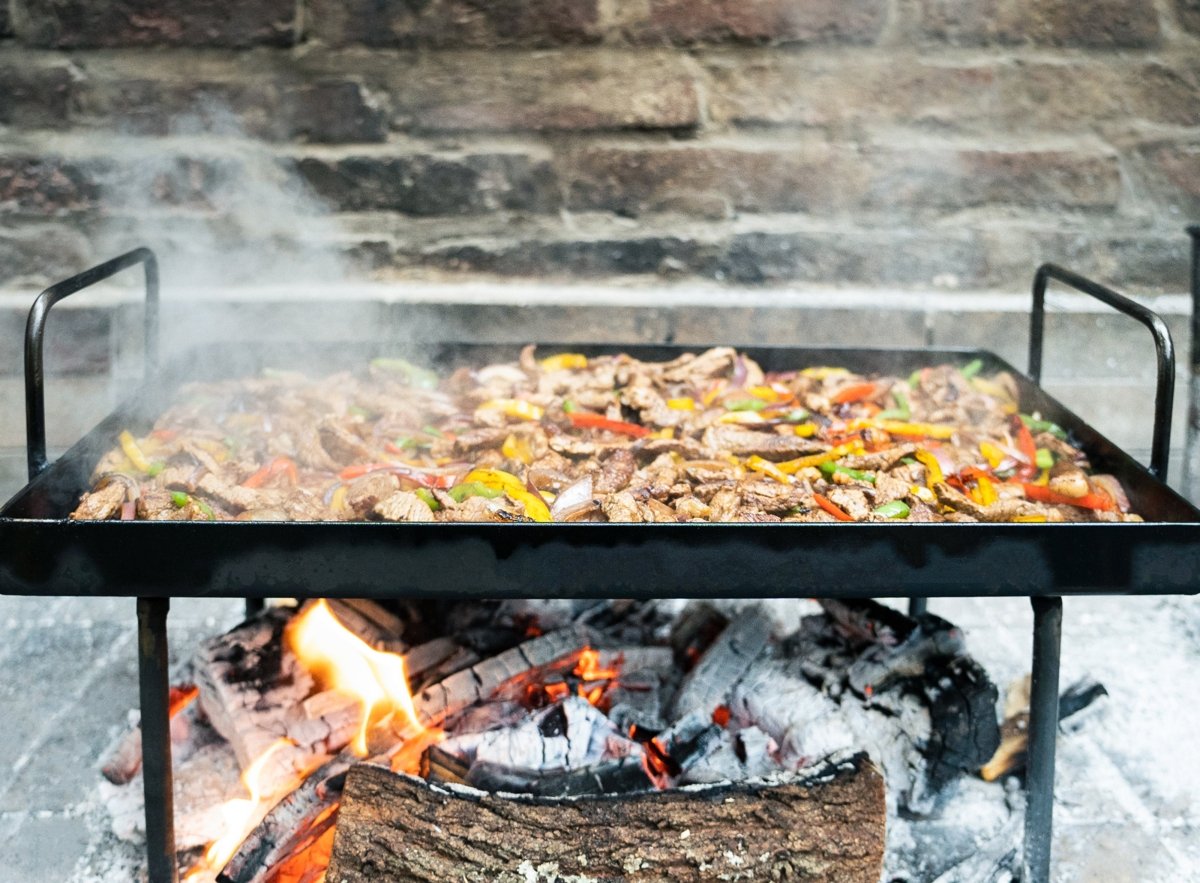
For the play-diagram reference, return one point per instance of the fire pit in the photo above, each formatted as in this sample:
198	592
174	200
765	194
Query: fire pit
255	560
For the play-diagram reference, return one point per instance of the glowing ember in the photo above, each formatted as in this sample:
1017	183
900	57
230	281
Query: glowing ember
588	668
240	816
338	656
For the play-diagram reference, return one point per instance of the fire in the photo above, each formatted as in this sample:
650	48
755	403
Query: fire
588	668
240	816
377	679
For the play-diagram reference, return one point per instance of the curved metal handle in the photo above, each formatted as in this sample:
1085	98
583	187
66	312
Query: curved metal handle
35	330
1160	447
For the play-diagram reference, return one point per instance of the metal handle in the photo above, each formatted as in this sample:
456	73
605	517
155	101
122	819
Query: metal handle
1164	349
35	330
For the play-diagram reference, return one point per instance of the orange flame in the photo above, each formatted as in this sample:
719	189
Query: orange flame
240	817
588	668
377	679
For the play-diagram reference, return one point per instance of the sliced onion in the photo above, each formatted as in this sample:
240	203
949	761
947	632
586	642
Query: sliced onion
128	510
740	372
574	500
133	486
1109	486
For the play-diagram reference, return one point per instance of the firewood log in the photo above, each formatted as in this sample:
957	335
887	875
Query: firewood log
825	824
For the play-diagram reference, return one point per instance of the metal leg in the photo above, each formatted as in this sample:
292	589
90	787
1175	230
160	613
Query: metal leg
1043	732
917	606
156	739
254	606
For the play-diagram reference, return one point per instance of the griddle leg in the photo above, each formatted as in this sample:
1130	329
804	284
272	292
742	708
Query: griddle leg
1043	733
155	689
917	606
254	606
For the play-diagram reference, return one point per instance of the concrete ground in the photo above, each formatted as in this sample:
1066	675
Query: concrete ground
1128	788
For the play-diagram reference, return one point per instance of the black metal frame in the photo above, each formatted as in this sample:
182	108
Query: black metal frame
540	543
1191	448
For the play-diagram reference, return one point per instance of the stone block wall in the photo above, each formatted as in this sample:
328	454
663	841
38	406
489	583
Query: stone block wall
917	144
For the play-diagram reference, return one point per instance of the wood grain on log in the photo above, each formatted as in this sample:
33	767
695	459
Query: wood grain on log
826	825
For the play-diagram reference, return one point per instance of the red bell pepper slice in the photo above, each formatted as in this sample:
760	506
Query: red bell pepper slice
832	508
1092	500
857	392
1028	449
588	420
280	465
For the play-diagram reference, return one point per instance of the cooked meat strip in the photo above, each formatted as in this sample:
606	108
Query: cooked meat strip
880	459
470	509
687	448
725	504
1068	479
404	506
852	501
621	507
364	493
101	504
235	496
615	471
340	443
468	442
691	509
768	445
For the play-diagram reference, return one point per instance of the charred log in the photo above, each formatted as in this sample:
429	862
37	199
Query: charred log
825	825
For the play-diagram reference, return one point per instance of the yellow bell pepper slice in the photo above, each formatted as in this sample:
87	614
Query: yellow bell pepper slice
933	469
564	362
824	372
766	393
790	467
715	390
984	492
515	448
133	452
535	506
686	403
1030	519
518	408
992	454
766	467
920	430
805	430
991	388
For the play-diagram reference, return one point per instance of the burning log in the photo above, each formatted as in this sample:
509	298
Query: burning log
708	684
125	759
480	682
297	821
1009	758
371	623
301	818
249	681
827	824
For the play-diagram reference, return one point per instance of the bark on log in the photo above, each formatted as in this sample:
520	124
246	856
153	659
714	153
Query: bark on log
826	825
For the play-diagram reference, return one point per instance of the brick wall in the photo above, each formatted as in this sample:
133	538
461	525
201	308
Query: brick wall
873	143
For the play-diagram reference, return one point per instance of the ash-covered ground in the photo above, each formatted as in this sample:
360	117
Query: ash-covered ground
1128	786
